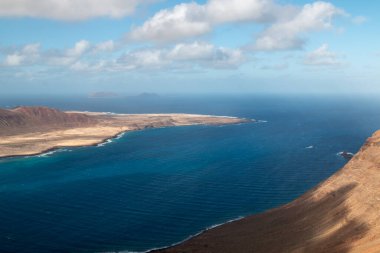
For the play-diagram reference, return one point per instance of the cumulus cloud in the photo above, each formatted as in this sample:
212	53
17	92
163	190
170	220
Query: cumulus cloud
107	46
289	34
83	57
184	20
79	48
287	25
70	10
183	55
32	54
262	11
193	19
68	56
322	56
26	55
85	66
13	59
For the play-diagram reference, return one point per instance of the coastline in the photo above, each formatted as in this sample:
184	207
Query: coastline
63	147
158	249
108	127
340	214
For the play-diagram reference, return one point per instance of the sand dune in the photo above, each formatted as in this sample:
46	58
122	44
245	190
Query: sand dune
340	215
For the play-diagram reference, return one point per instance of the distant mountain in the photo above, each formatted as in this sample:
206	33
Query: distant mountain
27	119
148	95
103	94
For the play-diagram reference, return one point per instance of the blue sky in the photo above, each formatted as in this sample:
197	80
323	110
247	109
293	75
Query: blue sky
214	46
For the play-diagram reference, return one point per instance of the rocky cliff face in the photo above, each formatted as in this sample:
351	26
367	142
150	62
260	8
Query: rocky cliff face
341	215
29	119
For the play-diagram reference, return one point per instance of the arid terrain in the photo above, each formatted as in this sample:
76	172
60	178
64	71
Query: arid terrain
33	130
340	215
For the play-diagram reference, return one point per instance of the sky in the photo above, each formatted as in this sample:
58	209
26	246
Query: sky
208	46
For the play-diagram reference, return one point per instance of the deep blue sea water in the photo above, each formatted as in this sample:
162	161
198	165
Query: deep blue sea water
156	187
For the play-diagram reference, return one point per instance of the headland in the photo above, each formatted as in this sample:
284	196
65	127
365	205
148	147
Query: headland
34	130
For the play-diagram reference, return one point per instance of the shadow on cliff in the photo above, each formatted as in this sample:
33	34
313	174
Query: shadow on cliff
331	228
305	225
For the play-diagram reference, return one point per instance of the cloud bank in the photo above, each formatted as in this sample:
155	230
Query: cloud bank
170	38
289	34
68	10
192	19
84	57
286	29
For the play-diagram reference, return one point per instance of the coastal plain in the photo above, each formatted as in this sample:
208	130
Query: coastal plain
34	130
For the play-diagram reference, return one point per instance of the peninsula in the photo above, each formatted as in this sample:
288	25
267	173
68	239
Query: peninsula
339	215
34	130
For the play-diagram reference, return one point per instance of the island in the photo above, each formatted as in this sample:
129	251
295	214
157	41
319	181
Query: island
339	215
103	94
34	130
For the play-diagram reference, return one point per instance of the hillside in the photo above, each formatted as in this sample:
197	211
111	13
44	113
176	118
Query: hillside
30	119
339	215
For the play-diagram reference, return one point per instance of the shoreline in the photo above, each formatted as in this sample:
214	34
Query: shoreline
111	127
340	214
153	250
64	147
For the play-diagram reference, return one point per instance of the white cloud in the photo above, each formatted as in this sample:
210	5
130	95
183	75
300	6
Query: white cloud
68	56
289	34
79	48
207	54
31	54
183	55
70	10
322	56
192	19
147	58
184	20
26	55
13	59
83	57
84	66
289	24
221	11
108	45
31	49
193	51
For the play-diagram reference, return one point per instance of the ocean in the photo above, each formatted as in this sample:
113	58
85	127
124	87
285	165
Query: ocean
153	188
